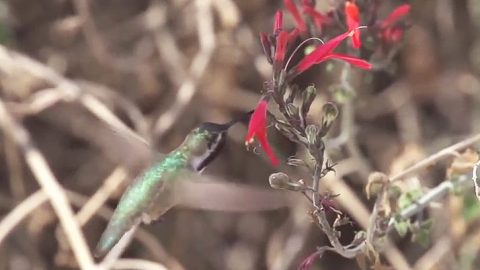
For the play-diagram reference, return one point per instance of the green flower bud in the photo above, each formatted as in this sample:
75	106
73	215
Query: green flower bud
294	90
292	110
308	96
312	132
280	180
330	113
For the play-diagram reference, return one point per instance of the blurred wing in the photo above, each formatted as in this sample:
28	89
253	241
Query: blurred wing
215	195
131	150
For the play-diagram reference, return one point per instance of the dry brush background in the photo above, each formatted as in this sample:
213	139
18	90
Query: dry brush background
70	67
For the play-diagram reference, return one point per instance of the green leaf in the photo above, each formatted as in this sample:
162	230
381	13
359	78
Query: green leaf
409	198
423	235
401	226
471	207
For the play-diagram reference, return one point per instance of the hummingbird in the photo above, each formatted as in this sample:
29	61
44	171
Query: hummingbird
170	181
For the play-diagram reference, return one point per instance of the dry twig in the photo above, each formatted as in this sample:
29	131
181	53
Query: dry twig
50	185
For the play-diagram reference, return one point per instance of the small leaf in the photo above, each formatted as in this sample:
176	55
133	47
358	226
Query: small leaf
308	96
471	207
401	227
409	198
312	132
422	234
329	114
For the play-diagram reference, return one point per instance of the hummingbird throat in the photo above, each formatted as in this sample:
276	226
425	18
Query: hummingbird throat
214	145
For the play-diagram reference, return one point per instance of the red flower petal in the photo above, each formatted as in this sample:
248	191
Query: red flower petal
278	23
351	11
318	18
308	262
396	15
258	121
352	14
360	63
296	15
392	34
262	139
257	127
281	46
319	54
293	35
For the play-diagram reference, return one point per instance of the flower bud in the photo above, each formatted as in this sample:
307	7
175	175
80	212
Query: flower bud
312	132
287	130
280	180
307	99
296	162
330	113
294	89
292	110
267	47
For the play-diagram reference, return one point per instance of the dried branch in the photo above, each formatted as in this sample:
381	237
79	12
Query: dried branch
446	152
185	93
40	169
21	211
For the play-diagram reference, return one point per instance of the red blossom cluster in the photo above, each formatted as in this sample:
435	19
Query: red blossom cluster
279	43
308	22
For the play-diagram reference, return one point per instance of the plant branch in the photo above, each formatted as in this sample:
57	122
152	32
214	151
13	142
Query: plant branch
448	151
43	174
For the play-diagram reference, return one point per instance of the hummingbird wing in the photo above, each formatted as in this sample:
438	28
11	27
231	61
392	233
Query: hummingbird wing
210	193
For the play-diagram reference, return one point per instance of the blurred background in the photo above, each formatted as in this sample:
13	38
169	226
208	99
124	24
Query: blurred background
163	67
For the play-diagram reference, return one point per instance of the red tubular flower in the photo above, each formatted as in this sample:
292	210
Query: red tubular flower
278	23
257	127
318	18
396	15
293	35
281	46
290	5
308	262
390	33
352	16
325	52
360	63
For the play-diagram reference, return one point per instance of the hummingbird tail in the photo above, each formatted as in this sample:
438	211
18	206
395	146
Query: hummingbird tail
106	243
111	236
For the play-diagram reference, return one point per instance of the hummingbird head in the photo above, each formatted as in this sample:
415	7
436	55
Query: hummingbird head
213	137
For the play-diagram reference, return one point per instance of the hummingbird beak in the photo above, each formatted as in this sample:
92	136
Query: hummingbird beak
217	141
220	128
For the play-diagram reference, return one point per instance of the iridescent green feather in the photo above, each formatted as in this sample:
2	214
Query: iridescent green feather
151	194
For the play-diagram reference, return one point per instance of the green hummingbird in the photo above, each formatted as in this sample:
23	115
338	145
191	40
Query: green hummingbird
168	182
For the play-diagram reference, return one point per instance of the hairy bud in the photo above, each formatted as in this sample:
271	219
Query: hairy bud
292	110
307	99
312	132
281	180
330	113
